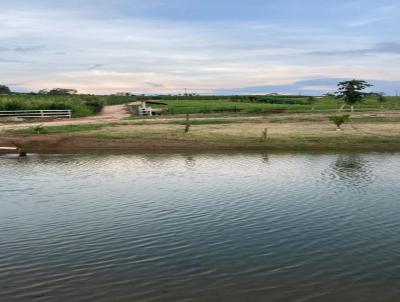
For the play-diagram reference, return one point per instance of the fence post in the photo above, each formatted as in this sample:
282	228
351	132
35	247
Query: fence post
265	134
41	113
187	127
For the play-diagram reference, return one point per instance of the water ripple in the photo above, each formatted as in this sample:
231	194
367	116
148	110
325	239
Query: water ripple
200	228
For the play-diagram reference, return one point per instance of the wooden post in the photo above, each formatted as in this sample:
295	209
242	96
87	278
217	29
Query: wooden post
187	127
21	153
265	134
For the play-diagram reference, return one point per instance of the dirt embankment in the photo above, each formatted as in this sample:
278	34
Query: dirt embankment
302	132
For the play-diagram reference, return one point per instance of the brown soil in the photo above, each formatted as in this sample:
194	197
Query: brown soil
288	134
81	144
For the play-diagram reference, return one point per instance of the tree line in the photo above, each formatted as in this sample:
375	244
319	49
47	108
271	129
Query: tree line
55	91
350	92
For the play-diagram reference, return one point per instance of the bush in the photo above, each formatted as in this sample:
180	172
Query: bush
95	105
339	120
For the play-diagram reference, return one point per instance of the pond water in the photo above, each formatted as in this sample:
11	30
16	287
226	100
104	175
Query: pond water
236	227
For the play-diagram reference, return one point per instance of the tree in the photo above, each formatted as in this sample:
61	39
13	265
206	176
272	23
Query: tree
352	92
252	99
62	91
43	91
4	89
312	100
339	120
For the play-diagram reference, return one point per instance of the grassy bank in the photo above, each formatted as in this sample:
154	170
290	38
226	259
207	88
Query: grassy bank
290	132
40	130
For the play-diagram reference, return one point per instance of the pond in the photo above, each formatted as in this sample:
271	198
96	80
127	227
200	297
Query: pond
200	227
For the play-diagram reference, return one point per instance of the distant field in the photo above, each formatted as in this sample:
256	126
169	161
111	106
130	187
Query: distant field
86	105
264	105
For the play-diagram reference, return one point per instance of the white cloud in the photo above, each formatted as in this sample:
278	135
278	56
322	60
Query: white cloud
65	48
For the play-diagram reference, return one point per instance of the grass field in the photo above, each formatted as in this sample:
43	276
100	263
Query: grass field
86	105
39	130
301	103
81	105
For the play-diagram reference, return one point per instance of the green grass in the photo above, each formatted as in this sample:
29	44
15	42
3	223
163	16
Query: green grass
221	106
206	122
81	105
86	105
376	119
226	105
56	129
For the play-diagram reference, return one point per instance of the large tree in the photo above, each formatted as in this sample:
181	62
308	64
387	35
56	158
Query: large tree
352	92
4	89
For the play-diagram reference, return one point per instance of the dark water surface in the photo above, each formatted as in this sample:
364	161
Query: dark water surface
200	228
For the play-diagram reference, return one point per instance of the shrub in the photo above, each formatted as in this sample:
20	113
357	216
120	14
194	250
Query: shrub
95	105
339	120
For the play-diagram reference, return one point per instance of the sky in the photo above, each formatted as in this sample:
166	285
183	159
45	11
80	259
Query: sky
208	46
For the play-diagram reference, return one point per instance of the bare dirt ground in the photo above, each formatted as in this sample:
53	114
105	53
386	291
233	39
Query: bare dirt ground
305	136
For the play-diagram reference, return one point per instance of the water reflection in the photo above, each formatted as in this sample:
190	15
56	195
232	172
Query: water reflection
265	158
351	169
200	228
190	161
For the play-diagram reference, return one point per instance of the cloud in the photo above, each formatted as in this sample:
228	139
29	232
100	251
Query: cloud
155	85
366	21
10	61
95	66
379	48
202	45
309	87
21	48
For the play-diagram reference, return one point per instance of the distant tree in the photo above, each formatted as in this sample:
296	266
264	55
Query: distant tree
235	98
312	100
352	92
43	91
62	91
4	89
339	120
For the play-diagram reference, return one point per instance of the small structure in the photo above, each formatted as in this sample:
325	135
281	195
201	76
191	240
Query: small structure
145	110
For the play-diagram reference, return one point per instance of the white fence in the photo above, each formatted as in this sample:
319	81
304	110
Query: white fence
37	113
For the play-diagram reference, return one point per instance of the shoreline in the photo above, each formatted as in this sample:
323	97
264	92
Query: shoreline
70	144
